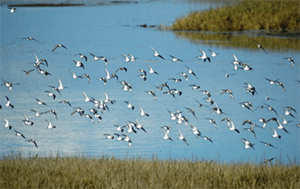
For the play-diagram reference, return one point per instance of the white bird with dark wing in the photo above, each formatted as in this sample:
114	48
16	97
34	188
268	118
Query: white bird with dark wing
156	53
27	121
50	126
207	138
19	134
7	125
181	137
118	136
247	143
291	60
79	64
287	112
8	103
82	56
275	133
151	70
195	131
40	102
174	59
95	57
108	136
143	112
51	94
166	136
129	105
203	57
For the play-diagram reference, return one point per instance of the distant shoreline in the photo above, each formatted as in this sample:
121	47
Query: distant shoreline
64	4
46	5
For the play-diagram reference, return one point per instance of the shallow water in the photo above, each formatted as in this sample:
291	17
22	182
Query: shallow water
111	31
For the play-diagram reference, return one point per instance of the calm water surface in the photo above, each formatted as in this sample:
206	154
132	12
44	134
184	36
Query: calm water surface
111	31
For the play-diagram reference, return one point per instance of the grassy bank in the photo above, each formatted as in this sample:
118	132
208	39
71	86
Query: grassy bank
82	172
246	15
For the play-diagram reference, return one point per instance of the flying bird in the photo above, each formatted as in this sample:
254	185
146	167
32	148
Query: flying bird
156	53
33	141
259	45
30	39
19	134
174	59
181	137
58	46
203	57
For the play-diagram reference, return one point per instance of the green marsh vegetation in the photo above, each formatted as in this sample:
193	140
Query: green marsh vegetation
275	24
103	172
244	15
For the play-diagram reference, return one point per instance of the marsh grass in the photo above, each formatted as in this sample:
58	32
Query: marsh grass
103	172
245	15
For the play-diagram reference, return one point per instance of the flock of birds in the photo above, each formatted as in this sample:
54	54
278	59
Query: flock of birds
98	107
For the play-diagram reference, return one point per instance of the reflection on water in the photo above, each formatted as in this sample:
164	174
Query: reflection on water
110	32
274	42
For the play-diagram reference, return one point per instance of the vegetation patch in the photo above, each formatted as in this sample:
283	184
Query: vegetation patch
103	172
245	15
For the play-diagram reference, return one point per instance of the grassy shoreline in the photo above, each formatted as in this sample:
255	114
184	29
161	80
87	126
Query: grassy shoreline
246	15
103	172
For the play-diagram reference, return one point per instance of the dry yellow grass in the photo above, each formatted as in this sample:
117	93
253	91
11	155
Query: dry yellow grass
82	172
246	15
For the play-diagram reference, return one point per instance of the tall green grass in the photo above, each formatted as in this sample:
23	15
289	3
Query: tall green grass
103	172
246	15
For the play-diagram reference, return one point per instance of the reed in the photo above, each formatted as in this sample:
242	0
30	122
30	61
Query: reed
271	41
245	15
103	172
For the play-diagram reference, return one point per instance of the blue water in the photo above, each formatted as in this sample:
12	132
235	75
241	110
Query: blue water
111	31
